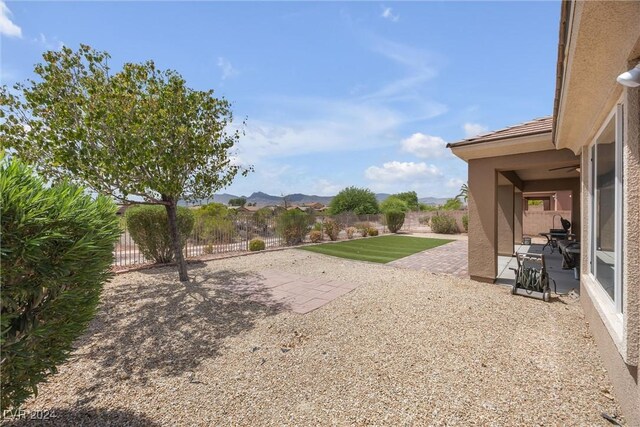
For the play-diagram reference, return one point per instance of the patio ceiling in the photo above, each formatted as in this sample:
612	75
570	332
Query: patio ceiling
541	174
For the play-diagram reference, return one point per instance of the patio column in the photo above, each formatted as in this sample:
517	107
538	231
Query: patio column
505	220
517	216
482	220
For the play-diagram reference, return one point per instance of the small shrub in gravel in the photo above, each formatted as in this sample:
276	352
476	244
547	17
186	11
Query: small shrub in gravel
315	236
256	245
372	231
57	244
293	226
395	220
332	228
350	232
465	222
149	228
444	224
363	228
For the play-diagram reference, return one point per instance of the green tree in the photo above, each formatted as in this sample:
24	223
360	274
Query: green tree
411	198
238	201
360	201
452	204
139	135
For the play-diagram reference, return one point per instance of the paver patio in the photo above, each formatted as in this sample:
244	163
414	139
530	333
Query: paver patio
299	294
447	259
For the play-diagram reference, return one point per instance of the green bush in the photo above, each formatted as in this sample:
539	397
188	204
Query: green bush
214	223
394	204
332	228
372	231
465	222
256	245
293	225
443	224
315	236
56	253
395	220
149	228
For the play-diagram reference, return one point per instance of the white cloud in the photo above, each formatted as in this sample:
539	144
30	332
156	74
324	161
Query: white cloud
48	44
387	13
401	171
474	129
418	68
324	187
455	183
425	146
313	125
7	27
226	68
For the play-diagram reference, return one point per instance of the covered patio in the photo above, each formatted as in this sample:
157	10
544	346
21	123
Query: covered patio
564	280
504	165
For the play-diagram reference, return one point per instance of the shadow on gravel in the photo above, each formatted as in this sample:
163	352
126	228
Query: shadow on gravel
81	417
163	325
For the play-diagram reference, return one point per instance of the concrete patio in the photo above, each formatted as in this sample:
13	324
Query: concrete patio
565	280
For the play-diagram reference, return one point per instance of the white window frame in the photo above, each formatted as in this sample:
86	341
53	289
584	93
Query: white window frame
611	311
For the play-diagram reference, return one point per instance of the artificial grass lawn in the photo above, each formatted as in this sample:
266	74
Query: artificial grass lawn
381	249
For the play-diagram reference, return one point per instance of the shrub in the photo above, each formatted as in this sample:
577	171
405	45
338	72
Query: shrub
317	226
315	236
149	228
395	220
208	249
424	220
256	245
363	228
372	231
332	228
262	217
465	222
293	226
214	224
57	251
350	232
443	224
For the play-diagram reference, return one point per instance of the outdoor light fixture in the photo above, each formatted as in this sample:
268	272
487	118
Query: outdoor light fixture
630	78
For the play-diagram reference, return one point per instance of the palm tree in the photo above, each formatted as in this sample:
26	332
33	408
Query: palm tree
464	192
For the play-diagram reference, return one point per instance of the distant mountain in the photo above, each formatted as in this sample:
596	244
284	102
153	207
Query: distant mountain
433	200
264	199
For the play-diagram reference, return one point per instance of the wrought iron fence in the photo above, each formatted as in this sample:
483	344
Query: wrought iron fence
235	233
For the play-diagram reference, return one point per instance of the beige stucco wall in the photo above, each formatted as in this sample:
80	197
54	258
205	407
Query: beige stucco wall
505	220
620	354
517	217
482	220
563	200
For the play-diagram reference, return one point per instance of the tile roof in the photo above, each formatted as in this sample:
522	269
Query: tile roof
532	127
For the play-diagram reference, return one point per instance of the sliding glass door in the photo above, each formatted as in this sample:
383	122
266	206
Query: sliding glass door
606	209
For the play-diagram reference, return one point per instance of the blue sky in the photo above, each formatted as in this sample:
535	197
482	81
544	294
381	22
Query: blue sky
335	94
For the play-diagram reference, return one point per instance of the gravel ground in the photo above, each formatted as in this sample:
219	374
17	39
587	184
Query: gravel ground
405	348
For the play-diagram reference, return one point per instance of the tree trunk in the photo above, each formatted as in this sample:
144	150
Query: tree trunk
172	214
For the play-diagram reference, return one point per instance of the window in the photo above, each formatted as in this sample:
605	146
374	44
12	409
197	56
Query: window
606	209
